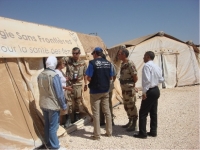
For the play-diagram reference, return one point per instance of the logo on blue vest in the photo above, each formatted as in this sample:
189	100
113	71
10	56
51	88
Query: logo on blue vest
98	63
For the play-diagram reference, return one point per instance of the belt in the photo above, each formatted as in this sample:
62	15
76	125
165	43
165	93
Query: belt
126	81
153	87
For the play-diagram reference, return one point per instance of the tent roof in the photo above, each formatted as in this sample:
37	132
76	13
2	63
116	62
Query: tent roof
89	42
139	40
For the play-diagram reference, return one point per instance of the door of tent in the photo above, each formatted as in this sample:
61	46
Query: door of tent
168	63
158	60
169	67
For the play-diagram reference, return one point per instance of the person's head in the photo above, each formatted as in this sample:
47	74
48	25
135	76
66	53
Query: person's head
97	52
76	53
103	56
51	62
149	55
61	63
123	54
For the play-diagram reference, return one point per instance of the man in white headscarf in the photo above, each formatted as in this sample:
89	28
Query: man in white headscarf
51	100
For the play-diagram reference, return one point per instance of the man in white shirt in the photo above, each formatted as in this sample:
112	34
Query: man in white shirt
151	77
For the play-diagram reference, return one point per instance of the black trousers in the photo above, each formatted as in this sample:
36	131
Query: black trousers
149	105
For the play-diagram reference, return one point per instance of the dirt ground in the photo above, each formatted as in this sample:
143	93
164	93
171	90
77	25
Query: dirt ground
178	125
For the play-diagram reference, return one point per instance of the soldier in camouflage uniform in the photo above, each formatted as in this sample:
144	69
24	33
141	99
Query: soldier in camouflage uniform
128	78
75	71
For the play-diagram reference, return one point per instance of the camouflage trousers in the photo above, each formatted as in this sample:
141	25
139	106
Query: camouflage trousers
129	100
75	99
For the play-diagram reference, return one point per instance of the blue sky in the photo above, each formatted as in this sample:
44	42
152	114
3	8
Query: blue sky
115	21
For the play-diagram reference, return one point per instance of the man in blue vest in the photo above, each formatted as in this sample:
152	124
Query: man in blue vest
99	73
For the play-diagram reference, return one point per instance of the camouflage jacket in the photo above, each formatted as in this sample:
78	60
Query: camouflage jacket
75	67
127	71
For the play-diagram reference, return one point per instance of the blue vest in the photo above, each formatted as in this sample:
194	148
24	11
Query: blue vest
101	76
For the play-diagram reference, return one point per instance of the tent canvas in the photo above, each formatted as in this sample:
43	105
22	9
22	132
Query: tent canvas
198	56
176	58
89	42
22	59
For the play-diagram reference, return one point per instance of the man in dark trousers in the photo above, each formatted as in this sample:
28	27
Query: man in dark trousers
99	73
151	77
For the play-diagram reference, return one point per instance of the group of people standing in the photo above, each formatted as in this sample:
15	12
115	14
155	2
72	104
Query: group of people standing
151	77
100	73
61	94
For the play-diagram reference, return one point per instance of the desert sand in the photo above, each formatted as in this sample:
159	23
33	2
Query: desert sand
178	125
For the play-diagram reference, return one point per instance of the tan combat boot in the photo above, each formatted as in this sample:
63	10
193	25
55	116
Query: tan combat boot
132	126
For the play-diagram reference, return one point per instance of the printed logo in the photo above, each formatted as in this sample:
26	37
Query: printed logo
98	63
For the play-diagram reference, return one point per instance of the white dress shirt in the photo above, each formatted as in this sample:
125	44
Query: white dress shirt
151	76
62	78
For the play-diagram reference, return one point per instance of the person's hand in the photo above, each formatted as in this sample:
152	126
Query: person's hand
144	96
136	89
69	88
85	87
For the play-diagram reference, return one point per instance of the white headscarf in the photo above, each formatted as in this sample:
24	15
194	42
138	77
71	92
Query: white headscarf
51	62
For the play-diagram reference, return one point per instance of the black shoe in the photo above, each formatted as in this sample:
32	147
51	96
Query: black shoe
41	147
102	123
140	136
77	117
113	124
151	134
67	121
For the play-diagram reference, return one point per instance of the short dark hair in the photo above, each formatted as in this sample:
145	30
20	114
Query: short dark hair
150	54
125	52
97	53
76	48
103	56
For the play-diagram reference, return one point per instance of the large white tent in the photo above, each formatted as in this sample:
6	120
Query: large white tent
177	59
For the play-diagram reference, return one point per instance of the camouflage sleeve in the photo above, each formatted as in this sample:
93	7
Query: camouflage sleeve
84	69
114	70
132	68
66	59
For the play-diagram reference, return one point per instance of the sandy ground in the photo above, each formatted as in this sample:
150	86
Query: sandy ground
178	125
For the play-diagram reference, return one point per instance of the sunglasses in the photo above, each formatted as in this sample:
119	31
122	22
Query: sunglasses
75	53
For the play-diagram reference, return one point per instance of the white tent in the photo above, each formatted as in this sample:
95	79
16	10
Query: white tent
198	55
176	58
